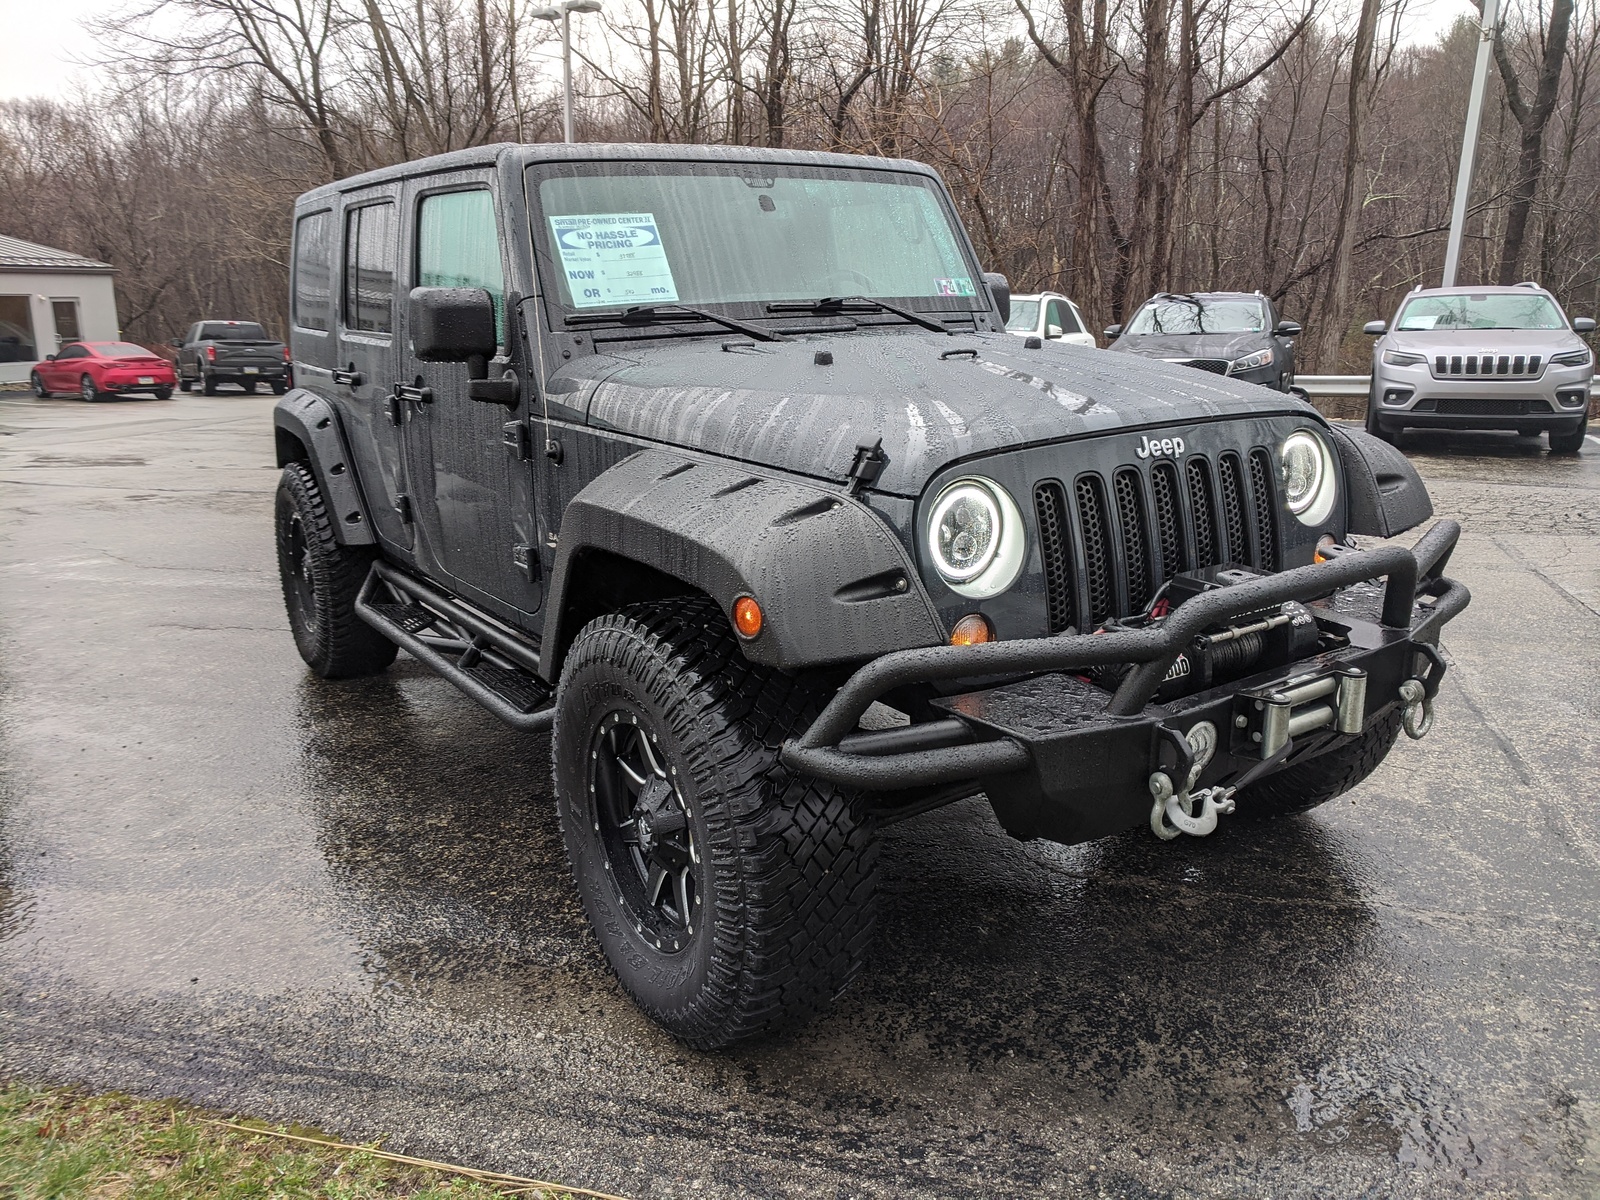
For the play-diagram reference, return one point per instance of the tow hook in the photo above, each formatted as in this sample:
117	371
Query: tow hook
1416	718
1185	811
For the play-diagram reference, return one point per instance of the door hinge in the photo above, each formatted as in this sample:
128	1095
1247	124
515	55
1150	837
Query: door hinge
515	437
402	505
527	561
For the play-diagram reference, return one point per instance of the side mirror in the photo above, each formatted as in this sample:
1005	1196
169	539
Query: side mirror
176	343
1375	328
1287	329
1113	331
457	325
453	325
1000	289
49	358
1052	331
1582	324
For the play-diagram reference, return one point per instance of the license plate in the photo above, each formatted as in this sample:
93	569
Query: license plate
147	379
252	370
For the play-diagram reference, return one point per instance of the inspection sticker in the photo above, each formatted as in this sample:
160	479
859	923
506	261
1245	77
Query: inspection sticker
614	258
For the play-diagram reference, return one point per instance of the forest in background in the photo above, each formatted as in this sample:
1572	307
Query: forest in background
1105	148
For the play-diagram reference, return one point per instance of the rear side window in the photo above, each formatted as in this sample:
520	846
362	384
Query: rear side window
458	245
232	331
313	270
369	254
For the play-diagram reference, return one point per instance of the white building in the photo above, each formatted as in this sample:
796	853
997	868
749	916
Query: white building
47	297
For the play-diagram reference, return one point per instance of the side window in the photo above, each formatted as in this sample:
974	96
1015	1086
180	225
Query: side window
313	270
73	352
369	253
458	245
1056	321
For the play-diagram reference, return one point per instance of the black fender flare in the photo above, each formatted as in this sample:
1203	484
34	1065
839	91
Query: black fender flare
833	582
306	429
1384	494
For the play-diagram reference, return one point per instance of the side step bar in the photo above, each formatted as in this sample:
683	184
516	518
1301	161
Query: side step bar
485	660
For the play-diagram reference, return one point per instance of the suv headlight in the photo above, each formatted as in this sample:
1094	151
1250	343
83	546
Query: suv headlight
1401	358
1309	482
1261	358
1572	358
975	537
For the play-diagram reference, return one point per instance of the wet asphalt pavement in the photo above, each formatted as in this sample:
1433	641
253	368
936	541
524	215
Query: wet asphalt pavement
346	904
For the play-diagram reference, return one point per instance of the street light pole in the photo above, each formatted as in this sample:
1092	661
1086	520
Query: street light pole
1469	142
564	15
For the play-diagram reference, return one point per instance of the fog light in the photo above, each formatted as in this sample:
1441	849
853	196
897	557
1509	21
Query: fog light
972	630
1573	399
1397	395
747	616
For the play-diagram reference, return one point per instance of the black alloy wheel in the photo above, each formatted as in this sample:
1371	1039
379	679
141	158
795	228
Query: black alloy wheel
646	830
299	587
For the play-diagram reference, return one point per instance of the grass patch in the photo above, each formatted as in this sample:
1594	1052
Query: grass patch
63	1143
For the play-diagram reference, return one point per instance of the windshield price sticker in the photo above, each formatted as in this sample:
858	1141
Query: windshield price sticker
614	258
961	286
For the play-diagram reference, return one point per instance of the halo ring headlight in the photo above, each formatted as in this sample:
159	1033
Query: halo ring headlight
975	537
1309	480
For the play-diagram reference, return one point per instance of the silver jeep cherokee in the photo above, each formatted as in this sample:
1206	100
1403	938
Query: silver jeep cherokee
1482	358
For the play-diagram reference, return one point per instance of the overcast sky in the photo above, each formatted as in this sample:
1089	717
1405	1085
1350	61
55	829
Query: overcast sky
42	38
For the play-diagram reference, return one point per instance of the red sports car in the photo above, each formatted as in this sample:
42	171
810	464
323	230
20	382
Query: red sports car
100	370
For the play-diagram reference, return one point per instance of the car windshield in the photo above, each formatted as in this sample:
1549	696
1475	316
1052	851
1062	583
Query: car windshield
618	235
233	331
1197	314
1504	310
120	350
1024	315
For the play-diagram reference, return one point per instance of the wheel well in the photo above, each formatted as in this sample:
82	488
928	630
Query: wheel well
290	448
600	582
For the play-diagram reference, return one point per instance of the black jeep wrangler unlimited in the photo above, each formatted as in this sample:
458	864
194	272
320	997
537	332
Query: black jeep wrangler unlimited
720	465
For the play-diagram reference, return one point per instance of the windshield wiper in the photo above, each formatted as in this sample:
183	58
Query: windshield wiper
643	313
838	303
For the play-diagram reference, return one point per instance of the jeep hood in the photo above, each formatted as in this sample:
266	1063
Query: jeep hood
933	399
1190	345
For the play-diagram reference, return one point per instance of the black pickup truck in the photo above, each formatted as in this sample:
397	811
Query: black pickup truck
216	352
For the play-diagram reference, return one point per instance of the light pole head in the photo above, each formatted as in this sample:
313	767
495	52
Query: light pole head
581	6
546	14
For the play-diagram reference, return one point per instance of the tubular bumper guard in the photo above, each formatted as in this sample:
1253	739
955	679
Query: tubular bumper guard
1060	758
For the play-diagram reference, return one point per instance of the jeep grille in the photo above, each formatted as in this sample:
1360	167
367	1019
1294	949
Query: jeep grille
1482	366
1107	552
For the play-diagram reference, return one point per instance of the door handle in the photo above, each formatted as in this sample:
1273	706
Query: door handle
352	377
417	394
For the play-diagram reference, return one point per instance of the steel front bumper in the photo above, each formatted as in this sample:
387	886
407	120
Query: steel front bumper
1061	758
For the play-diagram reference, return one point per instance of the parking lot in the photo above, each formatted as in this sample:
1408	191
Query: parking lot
346	904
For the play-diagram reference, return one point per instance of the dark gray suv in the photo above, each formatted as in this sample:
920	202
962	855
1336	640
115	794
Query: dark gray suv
1239	334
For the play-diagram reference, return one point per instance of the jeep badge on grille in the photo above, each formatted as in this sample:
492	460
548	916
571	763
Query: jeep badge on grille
1159	447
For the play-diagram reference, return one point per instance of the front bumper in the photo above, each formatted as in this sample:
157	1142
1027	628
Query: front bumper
1412	397
1063	759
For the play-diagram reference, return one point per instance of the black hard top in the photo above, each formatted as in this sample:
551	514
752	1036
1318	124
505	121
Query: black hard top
492	155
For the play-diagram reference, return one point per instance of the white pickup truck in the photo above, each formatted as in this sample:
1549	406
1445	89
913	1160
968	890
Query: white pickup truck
1048	316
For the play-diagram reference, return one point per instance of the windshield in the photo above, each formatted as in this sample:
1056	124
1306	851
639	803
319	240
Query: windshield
1523	310
1196	314
622	234
1024	315
233	331
120	350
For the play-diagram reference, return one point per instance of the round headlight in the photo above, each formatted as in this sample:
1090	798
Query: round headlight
1308	477
975	537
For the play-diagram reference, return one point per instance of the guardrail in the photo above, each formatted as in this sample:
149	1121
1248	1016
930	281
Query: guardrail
1357	385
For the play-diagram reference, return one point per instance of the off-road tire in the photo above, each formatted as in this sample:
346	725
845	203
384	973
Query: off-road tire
1569	442
1318	779
320	581
249	386
787	866
208	384
36	382
279	389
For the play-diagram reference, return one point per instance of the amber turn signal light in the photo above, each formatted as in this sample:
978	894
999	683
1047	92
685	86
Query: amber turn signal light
747	616
972	630
1326	548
